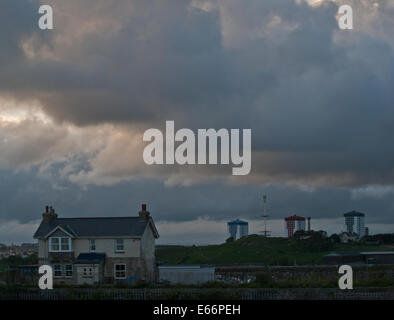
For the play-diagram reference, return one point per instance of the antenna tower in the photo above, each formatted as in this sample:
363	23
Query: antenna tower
265	233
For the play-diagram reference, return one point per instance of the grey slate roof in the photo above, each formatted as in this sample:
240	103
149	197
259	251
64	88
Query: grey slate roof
98	227
90	258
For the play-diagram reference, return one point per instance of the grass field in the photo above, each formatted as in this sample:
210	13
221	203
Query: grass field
257	249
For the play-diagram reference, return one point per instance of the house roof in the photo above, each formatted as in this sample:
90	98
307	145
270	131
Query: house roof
340	254
63	227
90	258
98	227
337	254
377	253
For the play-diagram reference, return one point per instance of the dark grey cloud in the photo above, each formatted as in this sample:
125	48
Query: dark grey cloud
24	194
18	19
319	102
275	66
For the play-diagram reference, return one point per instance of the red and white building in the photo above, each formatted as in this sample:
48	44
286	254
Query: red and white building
293	224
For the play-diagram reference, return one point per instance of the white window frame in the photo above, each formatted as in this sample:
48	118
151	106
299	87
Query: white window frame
65	270
51	240
59	239
54	271
125	270
92	245
65	243
116	245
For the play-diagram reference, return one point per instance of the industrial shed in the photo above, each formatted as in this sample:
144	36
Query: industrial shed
186	274
377	257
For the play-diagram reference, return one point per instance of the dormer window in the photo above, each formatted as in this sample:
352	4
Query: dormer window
65	244
59	244
54	244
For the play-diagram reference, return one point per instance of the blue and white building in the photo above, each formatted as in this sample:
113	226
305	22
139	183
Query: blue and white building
238	229
355	222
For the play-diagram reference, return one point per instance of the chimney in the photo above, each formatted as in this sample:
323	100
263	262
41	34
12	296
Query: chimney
309	223
143	214
49	215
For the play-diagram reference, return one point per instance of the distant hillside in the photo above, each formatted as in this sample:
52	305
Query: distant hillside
257	249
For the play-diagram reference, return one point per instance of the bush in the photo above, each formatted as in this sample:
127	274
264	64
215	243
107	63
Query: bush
264	280
229	240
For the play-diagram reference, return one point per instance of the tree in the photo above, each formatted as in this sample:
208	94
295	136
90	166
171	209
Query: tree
334	238
229	240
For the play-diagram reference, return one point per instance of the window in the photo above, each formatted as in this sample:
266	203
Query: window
54	243
68	269
57	269
65	244
119	245
88	272
65	270
59	244
92	245
120	271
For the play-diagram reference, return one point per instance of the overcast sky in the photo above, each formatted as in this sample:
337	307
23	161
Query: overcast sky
75	102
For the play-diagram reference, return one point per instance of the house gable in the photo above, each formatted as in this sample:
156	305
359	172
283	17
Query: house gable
58	231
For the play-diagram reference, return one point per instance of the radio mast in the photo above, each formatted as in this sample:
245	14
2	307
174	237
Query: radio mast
265	233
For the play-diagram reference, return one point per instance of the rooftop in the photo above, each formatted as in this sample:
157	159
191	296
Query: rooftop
90	258
237	222
337	254
100	227
295	217
354	214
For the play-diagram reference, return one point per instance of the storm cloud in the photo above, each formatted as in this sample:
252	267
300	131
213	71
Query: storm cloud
75	101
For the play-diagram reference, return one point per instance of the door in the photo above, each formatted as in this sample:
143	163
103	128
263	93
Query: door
87	274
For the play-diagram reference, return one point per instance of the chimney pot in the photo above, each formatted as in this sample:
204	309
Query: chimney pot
143	214
49	215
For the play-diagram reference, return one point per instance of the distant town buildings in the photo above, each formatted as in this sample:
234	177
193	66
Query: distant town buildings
294	223
346	237
354	226
238	229
354	223
24	250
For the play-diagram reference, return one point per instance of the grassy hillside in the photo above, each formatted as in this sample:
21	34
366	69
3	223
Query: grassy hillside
257	249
